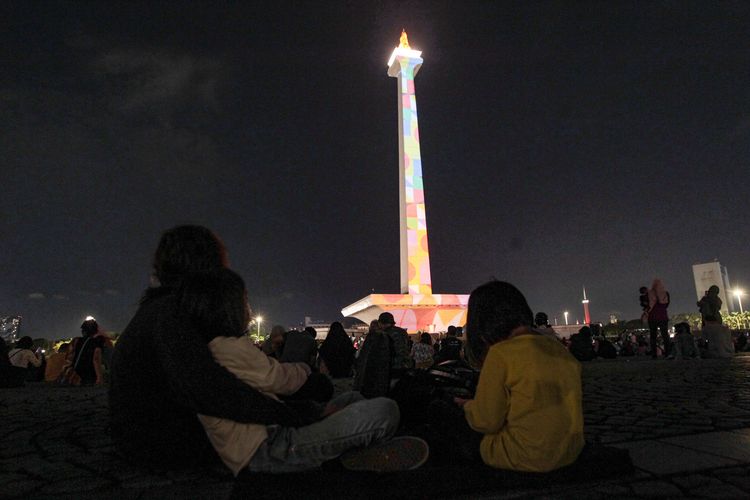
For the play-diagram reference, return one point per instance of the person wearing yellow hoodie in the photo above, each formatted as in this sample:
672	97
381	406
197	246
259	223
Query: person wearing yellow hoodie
528	402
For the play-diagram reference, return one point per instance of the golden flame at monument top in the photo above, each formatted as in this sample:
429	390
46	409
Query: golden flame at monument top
404	41
403	49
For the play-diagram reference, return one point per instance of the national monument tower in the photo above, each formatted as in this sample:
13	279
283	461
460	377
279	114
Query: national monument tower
416	308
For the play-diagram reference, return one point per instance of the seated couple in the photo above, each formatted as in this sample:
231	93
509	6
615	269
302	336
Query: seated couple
173	405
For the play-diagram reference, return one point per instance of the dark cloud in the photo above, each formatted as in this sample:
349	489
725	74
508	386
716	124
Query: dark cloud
158	78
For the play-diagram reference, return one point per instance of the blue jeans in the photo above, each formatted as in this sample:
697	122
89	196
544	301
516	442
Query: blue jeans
361	422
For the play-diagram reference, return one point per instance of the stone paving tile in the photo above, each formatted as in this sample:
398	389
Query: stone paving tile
23	488
741	482
75	485
724	444
661	458
718	491
653	489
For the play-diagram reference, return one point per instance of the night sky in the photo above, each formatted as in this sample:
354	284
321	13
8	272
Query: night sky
564	144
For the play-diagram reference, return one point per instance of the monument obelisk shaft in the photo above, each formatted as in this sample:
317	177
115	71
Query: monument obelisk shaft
416	308
415	255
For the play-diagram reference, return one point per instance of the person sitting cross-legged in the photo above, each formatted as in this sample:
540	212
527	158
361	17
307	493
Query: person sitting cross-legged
685	346
718	338
527	411
217	301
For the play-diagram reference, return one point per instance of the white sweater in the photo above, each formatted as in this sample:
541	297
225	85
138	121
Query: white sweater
236	442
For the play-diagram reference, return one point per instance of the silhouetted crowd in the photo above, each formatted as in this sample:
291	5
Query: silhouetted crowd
188	386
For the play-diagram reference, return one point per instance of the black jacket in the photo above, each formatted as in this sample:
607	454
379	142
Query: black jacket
163	375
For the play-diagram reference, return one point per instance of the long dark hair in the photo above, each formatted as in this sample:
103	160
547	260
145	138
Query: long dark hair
495	310
24	343
185	249
215	302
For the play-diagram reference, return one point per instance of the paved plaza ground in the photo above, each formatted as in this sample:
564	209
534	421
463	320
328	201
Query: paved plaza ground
685	423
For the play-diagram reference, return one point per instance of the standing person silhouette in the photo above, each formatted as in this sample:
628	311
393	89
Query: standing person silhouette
710	305
658	318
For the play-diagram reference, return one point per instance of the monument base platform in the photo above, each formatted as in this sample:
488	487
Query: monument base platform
413	312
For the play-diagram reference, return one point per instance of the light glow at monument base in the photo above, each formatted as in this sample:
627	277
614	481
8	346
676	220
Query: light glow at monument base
413	312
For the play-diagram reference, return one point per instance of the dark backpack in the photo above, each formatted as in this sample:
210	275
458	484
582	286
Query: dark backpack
450	349
606	349
373	378
417	389
581	347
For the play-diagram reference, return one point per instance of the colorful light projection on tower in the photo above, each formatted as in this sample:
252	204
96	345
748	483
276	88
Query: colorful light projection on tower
415	254
416	308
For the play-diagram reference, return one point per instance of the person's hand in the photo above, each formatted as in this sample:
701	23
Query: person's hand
460	401
330	409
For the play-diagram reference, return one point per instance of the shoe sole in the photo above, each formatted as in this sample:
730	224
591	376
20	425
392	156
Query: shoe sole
398	454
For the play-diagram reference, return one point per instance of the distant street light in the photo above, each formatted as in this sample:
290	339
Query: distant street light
259	319
739	294
566	318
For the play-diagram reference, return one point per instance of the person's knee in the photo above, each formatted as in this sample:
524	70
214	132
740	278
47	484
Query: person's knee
317	387
386	411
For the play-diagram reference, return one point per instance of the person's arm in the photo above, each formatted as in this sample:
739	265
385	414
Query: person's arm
196	381
313	355
32	359
98	366
486	413
70	354
402	349
247	363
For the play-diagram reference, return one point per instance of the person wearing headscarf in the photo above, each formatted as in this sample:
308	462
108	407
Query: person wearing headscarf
336	354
